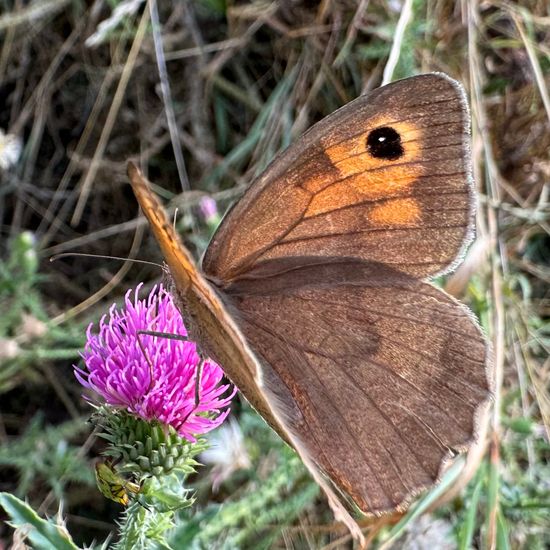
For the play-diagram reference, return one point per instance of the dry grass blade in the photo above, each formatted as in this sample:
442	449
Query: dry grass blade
87	180
498	319
404	20
35	12
539	77
83	141
167	95
352	32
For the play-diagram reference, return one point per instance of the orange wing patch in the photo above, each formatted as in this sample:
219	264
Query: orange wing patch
396	212
364	177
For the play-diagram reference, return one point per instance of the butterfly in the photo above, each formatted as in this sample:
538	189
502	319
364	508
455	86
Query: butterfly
314	294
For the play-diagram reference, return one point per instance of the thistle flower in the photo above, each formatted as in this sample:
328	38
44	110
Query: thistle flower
209	211
153	377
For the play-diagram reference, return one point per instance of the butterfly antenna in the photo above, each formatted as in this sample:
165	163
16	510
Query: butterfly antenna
68	254
168	336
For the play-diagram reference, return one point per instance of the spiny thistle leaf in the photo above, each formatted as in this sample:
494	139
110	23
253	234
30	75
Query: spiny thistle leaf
44	535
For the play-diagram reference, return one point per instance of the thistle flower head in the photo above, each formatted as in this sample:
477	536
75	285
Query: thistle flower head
209	211
208	207
153	377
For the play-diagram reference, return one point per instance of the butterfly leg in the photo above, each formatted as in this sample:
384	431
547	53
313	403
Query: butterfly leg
170	336
161	335
147	358
198	378
167	335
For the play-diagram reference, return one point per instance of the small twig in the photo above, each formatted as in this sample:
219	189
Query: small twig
53	379
85	187
6	50
101	97
27	112
539	76
393	58
167	96
230	43
352	33
37	10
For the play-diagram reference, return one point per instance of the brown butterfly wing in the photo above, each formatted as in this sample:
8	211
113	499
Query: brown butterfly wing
379	376
340	191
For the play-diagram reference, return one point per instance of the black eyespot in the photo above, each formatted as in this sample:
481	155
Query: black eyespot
385	143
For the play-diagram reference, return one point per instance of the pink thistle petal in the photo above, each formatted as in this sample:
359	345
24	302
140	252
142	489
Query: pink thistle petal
118	370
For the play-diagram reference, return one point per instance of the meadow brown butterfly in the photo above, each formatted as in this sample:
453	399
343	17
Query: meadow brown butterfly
313	299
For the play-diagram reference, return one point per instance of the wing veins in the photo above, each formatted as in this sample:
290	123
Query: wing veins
396	430
363	153
428	429
261	251
382	169
453	377
369	230
330	401
406	119
430	359
299	165
395	465
388	199
409	383
389	315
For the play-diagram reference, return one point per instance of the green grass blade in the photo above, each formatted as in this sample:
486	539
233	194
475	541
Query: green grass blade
503	542
492	497
424	503
468	528
255	134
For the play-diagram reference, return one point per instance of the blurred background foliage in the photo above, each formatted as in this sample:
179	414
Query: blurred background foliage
81	92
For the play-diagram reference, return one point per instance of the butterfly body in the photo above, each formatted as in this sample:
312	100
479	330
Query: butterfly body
314	301
206	319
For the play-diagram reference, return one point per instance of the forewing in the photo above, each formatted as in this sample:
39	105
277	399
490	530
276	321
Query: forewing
330	195
380	377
